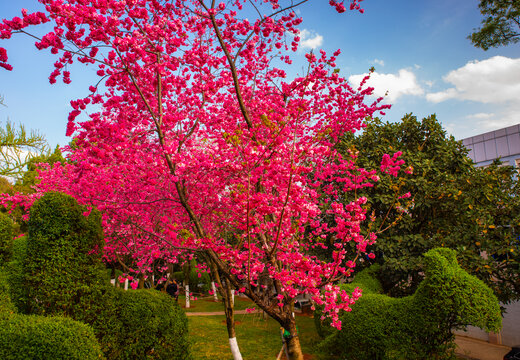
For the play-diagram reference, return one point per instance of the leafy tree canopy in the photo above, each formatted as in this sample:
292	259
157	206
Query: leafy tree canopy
500	26
451	204
29	177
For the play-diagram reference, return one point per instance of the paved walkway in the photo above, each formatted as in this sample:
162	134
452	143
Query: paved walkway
213	313
474	349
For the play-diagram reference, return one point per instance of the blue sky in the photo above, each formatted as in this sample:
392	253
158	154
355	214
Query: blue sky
419	49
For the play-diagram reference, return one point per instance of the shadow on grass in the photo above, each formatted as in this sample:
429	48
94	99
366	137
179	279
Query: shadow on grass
257	338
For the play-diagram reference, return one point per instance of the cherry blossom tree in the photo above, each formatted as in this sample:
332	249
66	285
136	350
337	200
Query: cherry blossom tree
201	144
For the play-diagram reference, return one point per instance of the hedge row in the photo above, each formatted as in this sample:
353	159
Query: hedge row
24	337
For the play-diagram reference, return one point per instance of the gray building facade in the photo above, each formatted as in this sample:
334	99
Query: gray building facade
483	149
503	144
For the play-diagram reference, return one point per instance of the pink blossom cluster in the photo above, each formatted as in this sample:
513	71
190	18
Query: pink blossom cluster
392	165
7	27
202	146
340	5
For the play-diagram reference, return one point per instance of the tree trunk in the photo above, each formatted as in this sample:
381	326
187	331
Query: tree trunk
214	289
224	288
293	342
230	321
187	291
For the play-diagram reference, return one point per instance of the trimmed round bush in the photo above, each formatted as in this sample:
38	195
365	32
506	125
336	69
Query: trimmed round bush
141	324
419	326
63	268
27	337
155	326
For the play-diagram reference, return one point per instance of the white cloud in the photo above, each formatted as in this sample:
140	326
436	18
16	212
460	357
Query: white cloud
310	39
491	121
392	85
379	62
480	116
495	80
441	95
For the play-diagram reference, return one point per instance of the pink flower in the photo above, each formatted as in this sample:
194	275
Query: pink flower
405	196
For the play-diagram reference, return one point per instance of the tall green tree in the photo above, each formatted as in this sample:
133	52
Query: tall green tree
451	204
29	177
18	147
500	26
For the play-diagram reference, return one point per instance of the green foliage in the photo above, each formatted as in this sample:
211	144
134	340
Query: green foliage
500	26
17	147
367	280
150	324
63	264
62	267
7	309
6	238
194	280
38	337
16	275
418	326
25	337
140	324
453	205
29	177
465	299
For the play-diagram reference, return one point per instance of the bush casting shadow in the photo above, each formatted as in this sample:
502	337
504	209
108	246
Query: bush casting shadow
418	326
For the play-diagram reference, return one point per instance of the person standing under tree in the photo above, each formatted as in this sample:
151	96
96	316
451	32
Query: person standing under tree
173	289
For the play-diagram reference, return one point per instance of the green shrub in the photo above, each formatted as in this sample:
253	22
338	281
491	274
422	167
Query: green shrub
141	324
6	238
418	326
16	275
27	337
367	279
66	277
7	309
63	268
155	326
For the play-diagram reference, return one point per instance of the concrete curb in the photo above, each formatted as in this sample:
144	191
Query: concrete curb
474	349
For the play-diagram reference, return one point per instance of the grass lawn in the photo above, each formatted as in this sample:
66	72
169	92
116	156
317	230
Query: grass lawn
257	338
